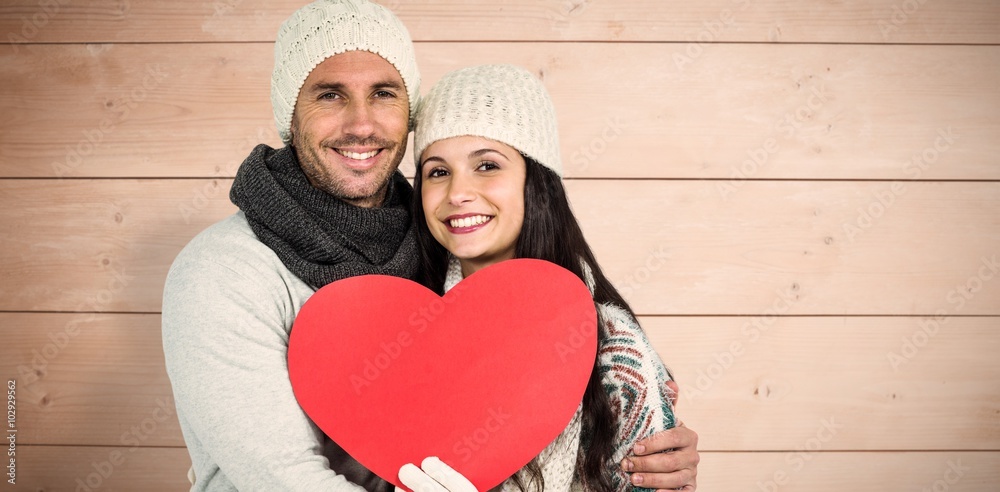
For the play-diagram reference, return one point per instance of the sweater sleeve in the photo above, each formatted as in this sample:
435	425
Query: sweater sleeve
225	342
635	379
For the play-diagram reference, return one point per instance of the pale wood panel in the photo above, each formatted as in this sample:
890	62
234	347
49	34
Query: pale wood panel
626	110
89	379
56	468
835	472
760	383
672	247
100	380
853	21
796	247
65	468
107	244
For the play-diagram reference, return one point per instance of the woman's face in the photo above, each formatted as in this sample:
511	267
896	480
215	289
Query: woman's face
473	198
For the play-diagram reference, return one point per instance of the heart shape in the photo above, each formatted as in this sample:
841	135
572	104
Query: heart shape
484	377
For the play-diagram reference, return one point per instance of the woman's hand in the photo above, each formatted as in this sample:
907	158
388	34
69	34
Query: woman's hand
433	476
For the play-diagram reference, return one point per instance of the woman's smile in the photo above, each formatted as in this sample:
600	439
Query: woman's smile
466	223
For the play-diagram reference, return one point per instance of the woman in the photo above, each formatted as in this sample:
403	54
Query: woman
488	188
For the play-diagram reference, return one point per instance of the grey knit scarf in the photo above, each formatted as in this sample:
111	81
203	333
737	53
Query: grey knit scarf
320	238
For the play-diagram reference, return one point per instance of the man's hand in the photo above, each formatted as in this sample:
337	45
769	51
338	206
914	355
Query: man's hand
433	476
666	460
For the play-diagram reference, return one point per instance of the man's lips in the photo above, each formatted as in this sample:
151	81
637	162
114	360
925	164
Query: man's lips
358	159
358	155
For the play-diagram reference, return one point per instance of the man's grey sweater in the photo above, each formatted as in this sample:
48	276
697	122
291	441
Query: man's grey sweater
228	307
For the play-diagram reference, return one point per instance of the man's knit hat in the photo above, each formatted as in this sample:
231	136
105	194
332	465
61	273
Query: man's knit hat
500	102
329	27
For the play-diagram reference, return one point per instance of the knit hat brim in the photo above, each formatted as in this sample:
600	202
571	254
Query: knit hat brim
505	103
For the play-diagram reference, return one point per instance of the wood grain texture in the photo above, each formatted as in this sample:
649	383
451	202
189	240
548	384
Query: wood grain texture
796	247
853	383
837	471
86	379
672	247
56	469
120	237
105	468
89	379
801	196
738	112
814	21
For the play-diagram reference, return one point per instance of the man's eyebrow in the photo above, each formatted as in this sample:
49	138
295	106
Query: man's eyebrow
326	86
337	86
388	84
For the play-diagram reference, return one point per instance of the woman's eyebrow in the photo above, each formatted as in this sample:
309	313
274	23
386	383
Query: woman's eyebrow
480	152
433	158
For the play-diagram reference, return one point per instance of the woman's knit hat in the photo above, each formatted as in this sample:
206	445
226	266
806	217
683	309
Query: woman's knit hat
505	103
329	27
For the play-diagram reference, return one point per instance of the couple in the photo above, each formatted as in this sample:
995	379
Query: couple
331	205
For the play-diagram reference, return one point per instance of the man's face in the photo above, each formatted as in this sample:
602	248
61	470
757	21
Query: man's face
350	125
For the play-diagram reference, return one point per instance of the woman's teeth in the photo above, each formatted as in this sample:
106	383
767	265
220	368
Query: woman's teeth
469	221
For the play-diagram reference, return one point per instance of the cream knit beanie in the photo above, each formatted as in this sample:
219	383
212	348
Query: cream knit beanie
500	102
328	27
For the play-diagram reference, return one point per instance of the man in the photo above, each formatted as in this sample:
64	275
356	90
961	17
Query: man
329	205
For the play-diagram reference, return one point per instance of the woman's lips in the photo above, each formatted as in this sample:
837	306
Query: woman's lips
463	224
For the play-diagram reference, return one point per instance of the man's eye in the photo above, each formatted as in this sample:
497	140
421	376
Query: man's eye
329	95
384	94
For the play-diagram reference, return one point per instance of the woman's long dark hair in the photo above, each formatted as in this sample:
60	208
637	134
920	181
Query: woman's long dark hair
550	232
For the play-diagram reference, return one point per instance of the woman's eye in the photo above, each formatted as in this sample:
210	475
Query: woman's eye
488	166
436	173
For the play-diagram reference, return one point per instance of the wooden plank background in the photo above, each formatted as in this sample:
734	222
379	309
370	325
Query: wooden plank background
795	108
849	21
802	199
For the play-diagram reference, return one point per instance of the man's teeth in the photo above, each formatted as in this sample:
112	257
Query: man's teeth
469	221
357	156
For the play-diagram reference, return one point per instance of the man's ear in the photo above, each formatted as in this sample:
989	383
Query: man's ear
291	127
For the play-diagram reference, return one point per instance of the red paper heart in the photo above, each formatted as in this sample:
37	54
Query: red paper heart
483	378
